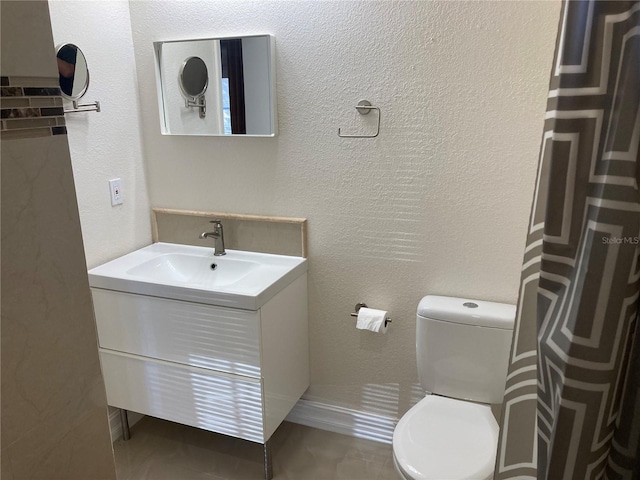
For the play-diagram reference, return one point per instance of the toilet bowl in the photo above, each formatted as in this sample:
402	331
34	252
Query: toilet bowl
441	438
462	349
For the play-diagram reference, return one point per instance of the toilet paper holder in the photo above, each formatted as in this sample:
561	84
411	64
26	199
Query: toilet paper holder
362	304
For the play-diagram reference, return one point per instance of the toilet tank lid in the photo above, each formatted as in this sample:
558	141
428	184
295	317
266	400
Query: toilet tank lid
467	311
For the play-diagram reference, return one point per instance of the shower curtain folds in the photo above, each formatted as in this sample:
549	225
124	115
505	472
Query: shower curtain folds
572	399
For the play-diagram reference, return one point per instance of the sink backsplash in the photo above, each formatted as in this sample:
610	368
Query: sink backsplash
253	233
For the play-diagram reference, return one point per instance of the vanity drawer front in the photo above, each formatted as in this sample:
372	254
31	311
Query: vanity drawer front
218	338
201	398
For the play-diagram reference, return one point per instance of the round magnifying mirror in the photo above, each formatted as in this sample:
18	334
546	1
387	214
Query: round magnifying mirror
73	71
194	77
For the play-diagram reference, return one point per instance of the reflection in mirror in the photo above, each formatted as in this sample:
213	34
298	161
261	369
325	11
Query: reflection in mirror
193	80
194	77
234	77
73	71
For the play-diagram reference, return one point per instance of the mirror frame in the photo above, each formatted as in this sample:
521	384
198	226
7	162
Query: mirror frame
157	46
82	93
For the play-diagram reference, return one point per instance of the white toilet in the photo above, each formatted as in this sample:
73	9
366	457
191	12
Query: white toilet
462	349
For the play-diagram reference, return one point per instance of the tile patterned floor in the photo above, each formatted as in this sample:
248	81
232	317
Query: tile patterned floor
161	450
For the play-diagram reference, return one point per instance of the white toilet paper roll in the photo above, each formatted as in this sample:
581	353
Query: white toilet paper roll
372	319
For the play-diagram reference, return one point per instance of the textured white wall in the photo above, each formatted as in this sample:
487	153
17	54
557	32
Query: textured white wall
108	144
438	203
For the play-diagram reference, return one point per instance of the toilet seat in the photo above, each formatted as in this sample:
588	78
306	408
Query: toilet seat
442	438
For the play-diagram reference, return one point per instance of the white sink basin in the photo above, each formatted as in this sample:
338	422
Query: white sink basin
189	269
238	279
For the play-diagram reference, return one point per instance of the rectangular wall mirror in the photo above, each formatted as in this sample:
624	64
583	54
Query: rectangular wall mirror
217	86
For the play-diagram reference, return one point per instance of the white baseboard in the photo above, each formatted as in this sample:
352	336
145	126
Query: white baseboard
333	418
346	421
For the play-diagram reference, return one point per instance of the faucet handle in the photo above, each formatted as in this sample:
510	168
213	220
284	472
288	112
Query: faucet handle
217	222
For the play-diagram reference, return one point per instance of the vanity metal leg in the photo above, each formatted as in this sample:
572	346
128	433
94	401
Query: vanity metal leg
268	466
124	421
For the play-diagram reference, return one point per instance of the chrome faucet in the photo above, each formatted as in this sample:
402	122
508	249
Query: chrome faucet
218	235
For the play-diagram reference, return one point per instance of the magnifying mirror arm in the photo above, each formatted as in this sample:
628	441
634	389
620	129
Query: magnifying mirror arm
84	107
198	102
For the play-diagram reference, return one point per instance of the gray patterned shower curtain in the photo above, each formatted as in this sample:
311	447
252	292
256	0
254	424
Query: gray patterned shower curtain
572	398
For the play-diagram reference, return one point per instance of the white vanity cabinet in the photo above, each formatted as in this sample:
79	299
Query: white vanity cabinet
233	371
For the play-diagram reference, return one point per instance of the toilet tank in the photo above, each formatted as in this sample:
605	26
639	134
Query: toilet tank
463	347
